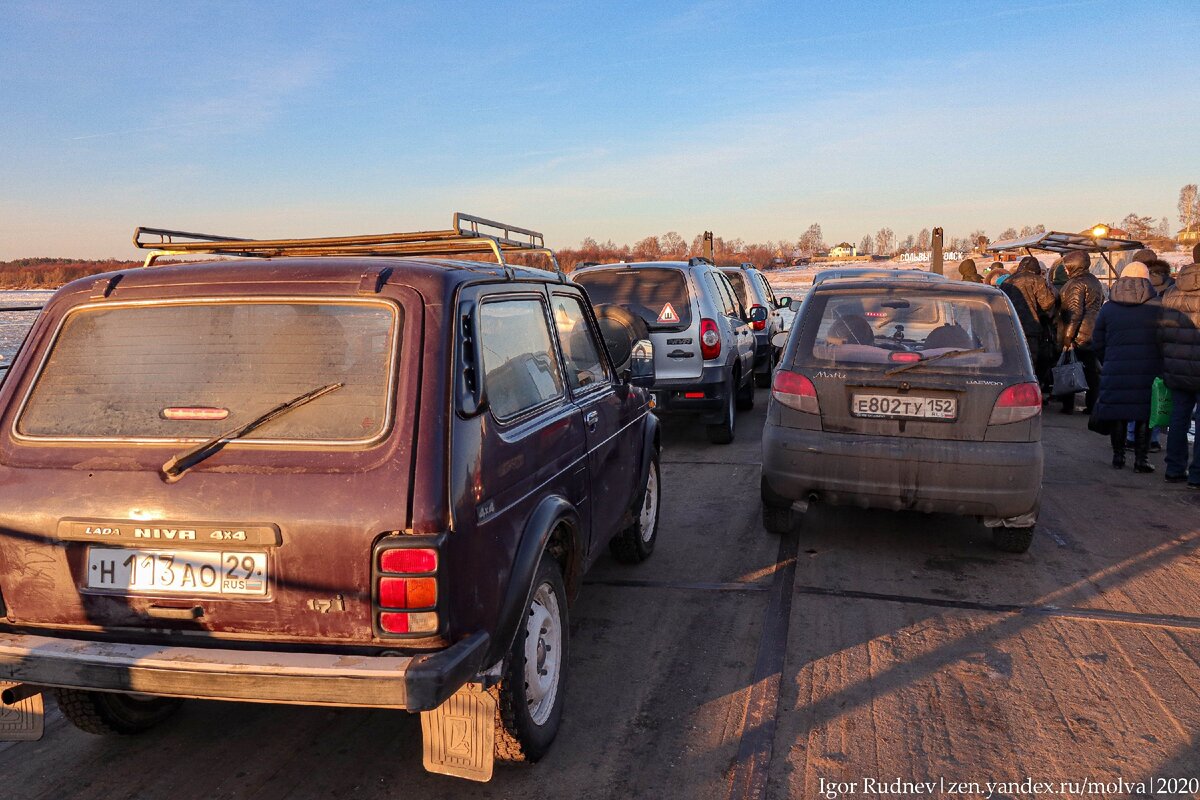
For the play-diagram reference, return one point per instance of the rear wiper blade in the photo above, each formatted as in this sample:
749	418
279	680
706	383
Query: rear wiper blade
176	465
938	357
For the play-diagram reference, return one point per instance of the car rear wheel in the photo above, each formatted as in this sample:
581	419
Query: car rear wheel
529	698
1012	540
722	432
109	713
635	544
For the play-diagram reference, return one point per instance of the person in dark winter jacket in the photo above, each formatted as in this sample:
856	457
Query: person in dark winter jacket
1078	306
968	272
1179	339
1126	342
1034	302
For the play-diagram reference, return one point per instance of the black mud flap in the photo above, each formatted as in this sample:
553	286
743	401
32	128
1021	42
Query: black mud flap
25	719
459	736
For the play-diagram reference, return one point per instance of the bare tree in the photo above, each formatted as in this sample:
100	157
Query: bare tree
978	240
1189	206
864	247
673	245
812	241
885	241
923	242
648	249
1009	233
909	244
1137	226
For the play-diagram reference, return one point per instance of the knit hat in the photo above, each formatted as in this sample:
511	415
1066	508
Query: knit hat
1145	255
1031	264
1135	269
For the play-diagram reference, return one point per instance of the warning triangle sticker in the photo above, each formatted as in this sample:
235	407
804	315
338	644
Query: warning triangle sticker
667	314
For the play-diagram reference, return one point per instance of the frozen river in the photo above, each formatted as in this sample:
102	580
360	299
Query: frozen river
13	326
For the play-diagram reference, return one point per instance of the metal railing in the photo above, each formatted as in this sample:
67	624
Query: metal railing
469	235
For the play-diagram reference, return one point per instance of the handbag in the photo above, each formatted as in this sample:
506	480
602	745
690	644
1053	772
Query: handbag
1160	404
1068	376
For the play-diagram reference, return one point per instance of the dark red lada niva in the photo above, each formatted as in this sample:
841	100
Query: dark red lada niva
318	477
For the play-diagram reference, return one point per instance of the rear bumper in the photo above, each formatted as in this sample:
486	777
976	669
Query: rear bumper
999	480
670	396
412	683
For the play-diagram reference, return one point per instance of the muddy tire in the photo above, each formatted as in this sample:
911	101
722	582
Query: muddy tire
1012	540
529	697
722	432
745	395
109	714
635	544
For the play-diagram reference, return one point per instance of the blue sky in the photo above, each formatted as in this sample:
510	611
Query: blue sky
612	120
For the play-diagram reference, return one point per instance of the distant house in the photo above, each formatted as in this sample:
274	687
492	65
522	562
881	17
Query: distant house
1189	237
843	250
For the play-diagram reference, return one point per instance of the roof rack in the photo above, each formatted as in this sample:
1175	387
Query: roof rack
469	235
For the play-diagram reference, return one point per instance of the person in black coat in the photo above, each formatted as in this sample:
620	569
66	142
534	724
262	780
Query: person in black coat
1034	302
1126	342
1179	338
1078	306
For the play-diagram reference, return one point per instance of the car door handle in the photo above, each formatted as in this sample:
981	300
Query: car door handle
591	418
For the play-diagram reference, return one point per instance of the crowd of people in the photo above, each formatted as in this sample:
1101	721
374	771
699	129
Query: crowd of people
1147	327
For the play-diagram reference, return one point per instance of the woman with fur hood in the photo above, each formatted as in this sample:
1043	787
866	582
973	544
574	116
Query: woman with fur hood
1126	342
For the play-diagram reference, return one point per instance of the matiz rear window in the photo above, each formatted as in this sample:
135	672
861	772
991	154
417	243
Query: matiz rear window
896	327
658	295
197	369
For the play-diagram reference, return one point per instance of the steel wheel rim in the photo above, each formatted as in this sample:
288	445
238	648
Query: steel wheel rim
650	504
543	653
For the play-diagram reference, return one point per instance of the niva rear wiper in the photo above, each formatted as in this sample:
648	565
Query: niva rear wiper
938	357
175	466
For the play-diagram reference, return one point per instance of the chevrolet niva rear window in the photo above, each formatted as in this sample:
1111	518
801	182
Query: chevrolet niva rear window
195	370
898	327
658	295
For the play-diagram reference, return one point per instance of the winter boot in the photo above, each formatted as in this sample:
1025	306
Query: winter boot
1141	447
1117	438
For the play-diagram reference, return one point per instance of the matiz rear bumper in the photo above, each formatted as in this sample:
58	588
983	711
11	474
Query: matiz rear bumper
413	683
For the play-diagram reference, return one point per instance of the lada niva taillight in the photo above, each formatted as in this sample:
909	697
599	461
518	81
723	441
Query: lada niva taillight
406	590
758	325
710	340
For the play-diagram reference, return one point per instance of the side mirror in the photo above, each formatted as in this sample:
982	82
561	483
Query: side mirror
783	302
758	314
779	340
641	364
794	304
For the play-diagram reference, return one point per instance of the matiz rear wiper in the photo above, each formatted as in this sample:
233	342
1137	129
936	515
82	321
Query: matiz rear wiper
175	466
938	357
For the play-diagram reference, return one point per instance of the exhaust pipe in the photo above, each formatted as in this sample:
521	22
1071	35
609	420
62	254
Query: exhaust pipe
22	691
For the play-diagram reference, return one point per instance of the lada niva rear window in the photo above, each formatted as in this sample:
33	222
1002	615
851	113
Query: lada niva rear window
898	327
659	295
195	369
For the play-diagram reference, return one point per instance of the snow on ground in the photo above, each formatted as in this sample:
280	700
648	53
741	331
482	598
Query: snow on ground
14	325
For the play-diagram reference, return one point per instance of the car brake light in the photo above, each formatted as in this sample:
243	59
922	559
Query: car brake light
795	391
759	325
1018	402
407	580
710	339
411	560
694	395
905	358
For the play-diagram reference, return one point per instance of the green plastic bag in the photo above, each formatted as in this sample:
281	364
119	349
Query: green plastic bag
1160	404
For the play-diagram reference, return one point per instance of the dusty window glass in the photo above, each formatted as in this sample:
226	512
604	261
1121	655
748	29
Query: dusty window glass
850	328
580	351
149	372
645	291
520	369
738	281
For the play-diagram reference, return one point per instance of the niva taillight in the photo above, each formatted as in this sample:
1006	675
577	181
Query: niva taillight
406	590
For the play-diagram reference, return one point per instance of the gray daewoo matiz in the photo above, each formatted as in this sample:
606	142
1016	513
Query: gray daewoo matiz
902	394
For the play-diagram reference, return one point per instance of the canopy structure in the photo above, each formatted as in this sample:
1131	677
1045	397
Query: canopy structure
1063	243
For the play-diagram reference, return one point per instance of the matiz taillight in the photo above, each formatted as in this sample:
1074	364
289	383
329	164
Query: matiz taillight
1016	403
795	391
406	590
